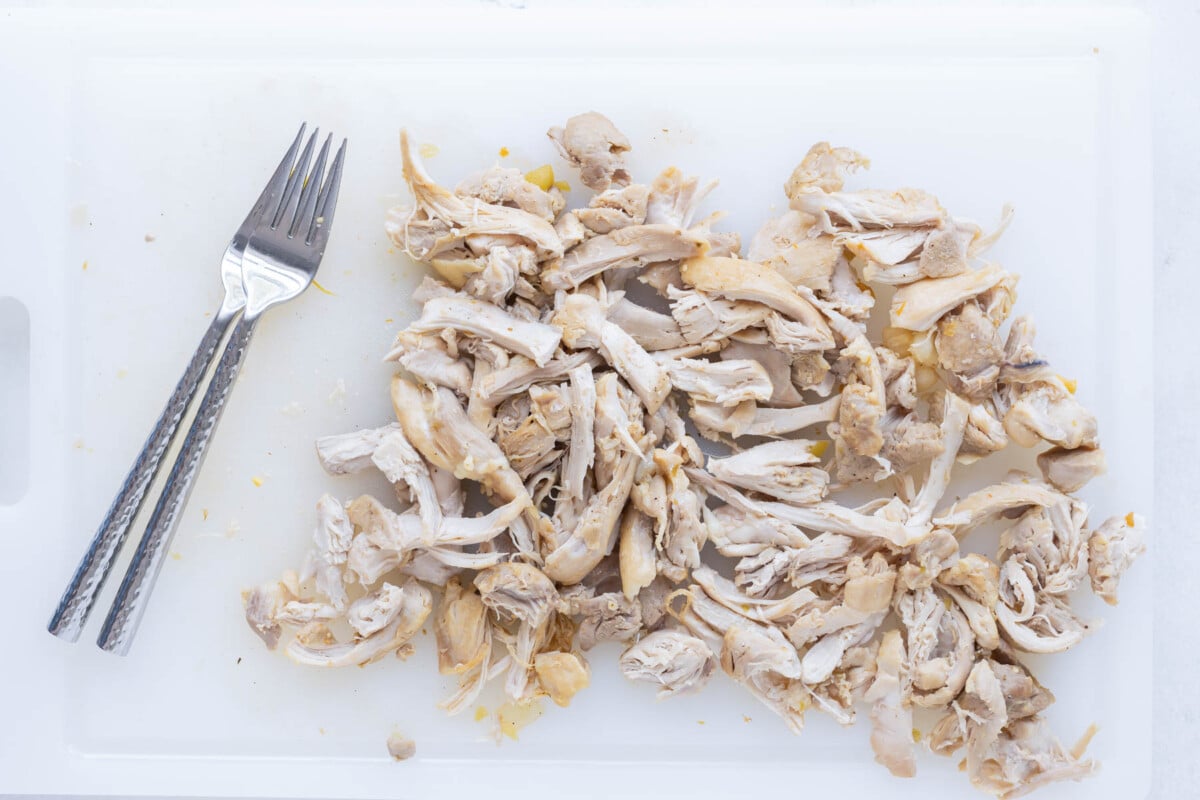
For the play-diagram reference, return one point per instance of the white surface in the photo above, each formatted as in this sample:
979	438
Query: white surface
979	111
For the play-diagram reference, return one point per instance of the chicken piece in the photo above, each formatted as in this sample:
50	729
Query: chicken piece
919	305
591	143
442	221
979	507
464	637
870	209
909	442
596	532
581	452
1112	548
777	469
686	532
776	363
983	435
613	209
476	318
891	717
972	584
940	646
400	747
1052	541
785	245
1025	757
967	341
671	660
1070	470
869	585
606	617
674	199
702	318
636	551
508	187
736	279
823	657
520	373
347	453
428	358
809	371
725	383
824	169
410	605
1033	620
521	593
562	675
401	464
622	249
619	426
650	329
331	540
763	661
1049	413
584	325
375	611
436	424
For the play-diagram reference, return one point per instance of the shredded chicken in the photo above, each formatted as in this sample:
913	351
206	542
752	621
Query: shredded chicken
540	374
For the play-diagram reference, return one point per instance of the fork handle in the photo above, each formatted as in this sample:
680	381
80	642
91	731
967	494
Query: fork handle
80	595
130	603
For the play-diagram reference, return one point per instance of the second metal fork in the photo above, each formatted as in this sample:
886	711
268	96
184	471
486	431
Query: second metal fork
280	260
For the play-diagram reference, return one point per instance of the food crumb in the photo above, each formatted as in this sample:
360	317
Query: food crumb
321	288
85	266
562	186
389	321
121	373
427	150
78	444
239	660
338	395
818	448
916	734
149	237
481	713
1129	520
400	747
699	722
292	409
204	513
177	556
745	718
321	731
257	481
504	152
541	177
232	529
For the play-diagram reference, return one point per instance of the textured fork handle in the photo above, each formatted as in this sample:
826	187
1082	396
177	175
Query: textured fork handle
80	595
130	603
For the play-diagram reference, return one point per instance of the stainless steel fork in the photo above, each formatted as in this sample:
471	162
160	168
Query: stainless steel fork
80	595
280	259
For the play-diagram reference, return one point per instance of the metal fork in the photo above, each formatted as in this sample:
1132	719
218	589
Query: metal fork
280	260
80	595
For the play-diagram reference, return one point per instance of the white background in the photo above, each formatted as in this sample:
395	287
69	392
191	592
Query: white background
1176	102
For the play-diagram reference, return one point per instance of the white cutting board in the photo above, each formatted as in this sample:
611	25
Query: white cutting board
134	125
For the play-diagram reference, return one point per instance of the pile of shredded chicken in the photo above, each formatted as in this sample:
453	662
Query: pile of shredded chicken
564	363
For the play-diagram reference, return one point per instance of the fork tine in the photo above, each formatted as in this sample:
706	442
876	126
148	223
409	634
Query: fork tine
310	194
291	192
276	183
326	204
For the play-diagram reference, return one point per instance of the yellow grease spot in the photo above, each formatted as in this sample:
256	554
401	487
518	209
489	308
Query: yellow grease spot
257	481
481	714
389	320
818	448
916	735
514	716
121	373
177	556
322	289
699	722
322	731
504	152
541	177
562	186
1129	519
427	150
85	266
1070	383
204	513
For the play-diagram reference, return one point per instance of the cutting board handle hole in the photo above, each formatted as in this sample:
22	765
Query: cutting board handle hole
14	400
